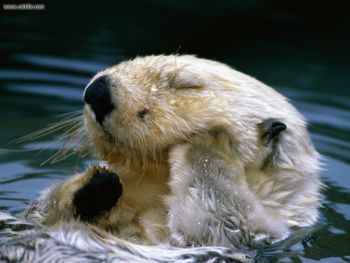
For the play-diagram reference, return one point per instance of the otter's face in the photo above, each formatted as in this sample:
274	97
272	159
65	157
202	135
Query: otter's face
138	109
146	105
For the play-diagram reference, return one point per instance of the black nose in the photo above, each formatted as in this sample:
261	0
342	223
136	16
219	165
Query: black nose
98	96
98	196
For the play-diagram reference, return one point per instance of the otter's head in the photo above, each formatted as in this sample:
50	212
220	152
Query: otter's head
141	107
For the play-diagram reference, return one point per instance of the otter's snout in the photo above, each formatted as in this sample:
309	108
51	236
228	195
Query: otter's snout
98	96
98	196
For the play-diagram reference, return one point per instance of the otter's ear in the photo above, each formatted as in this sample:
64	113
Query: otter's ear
270	129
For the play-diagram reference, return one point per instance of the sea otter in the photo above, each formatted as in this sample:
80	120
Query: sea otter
195	152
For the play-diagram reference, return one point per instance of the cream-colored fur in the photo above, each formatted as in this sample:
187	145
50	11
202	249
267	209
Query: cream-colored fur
195	169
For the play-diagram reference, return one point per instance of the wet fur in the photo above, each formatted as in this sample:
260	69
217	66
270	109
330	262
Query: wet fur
189	142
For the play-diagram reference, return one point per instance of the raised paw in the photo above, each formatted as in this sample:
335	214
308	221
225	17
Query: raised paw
98	196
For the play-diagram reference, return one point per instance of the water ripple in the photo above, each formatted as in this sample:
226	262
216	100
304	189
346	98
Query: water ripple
74	65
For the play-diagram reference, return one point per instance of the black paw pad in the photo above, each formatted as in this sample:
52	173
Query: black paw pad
98	196
271	129
276	128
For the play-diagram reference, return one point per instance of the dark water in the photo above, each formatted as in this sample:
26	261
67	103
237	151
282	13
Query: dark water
47	57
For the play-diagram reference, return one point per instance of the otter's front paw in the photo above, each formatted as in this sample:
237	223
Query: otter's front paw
98	196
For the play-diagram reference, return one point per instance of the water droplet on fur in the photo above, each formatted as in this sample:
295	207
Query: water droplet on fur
172	102
154	89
